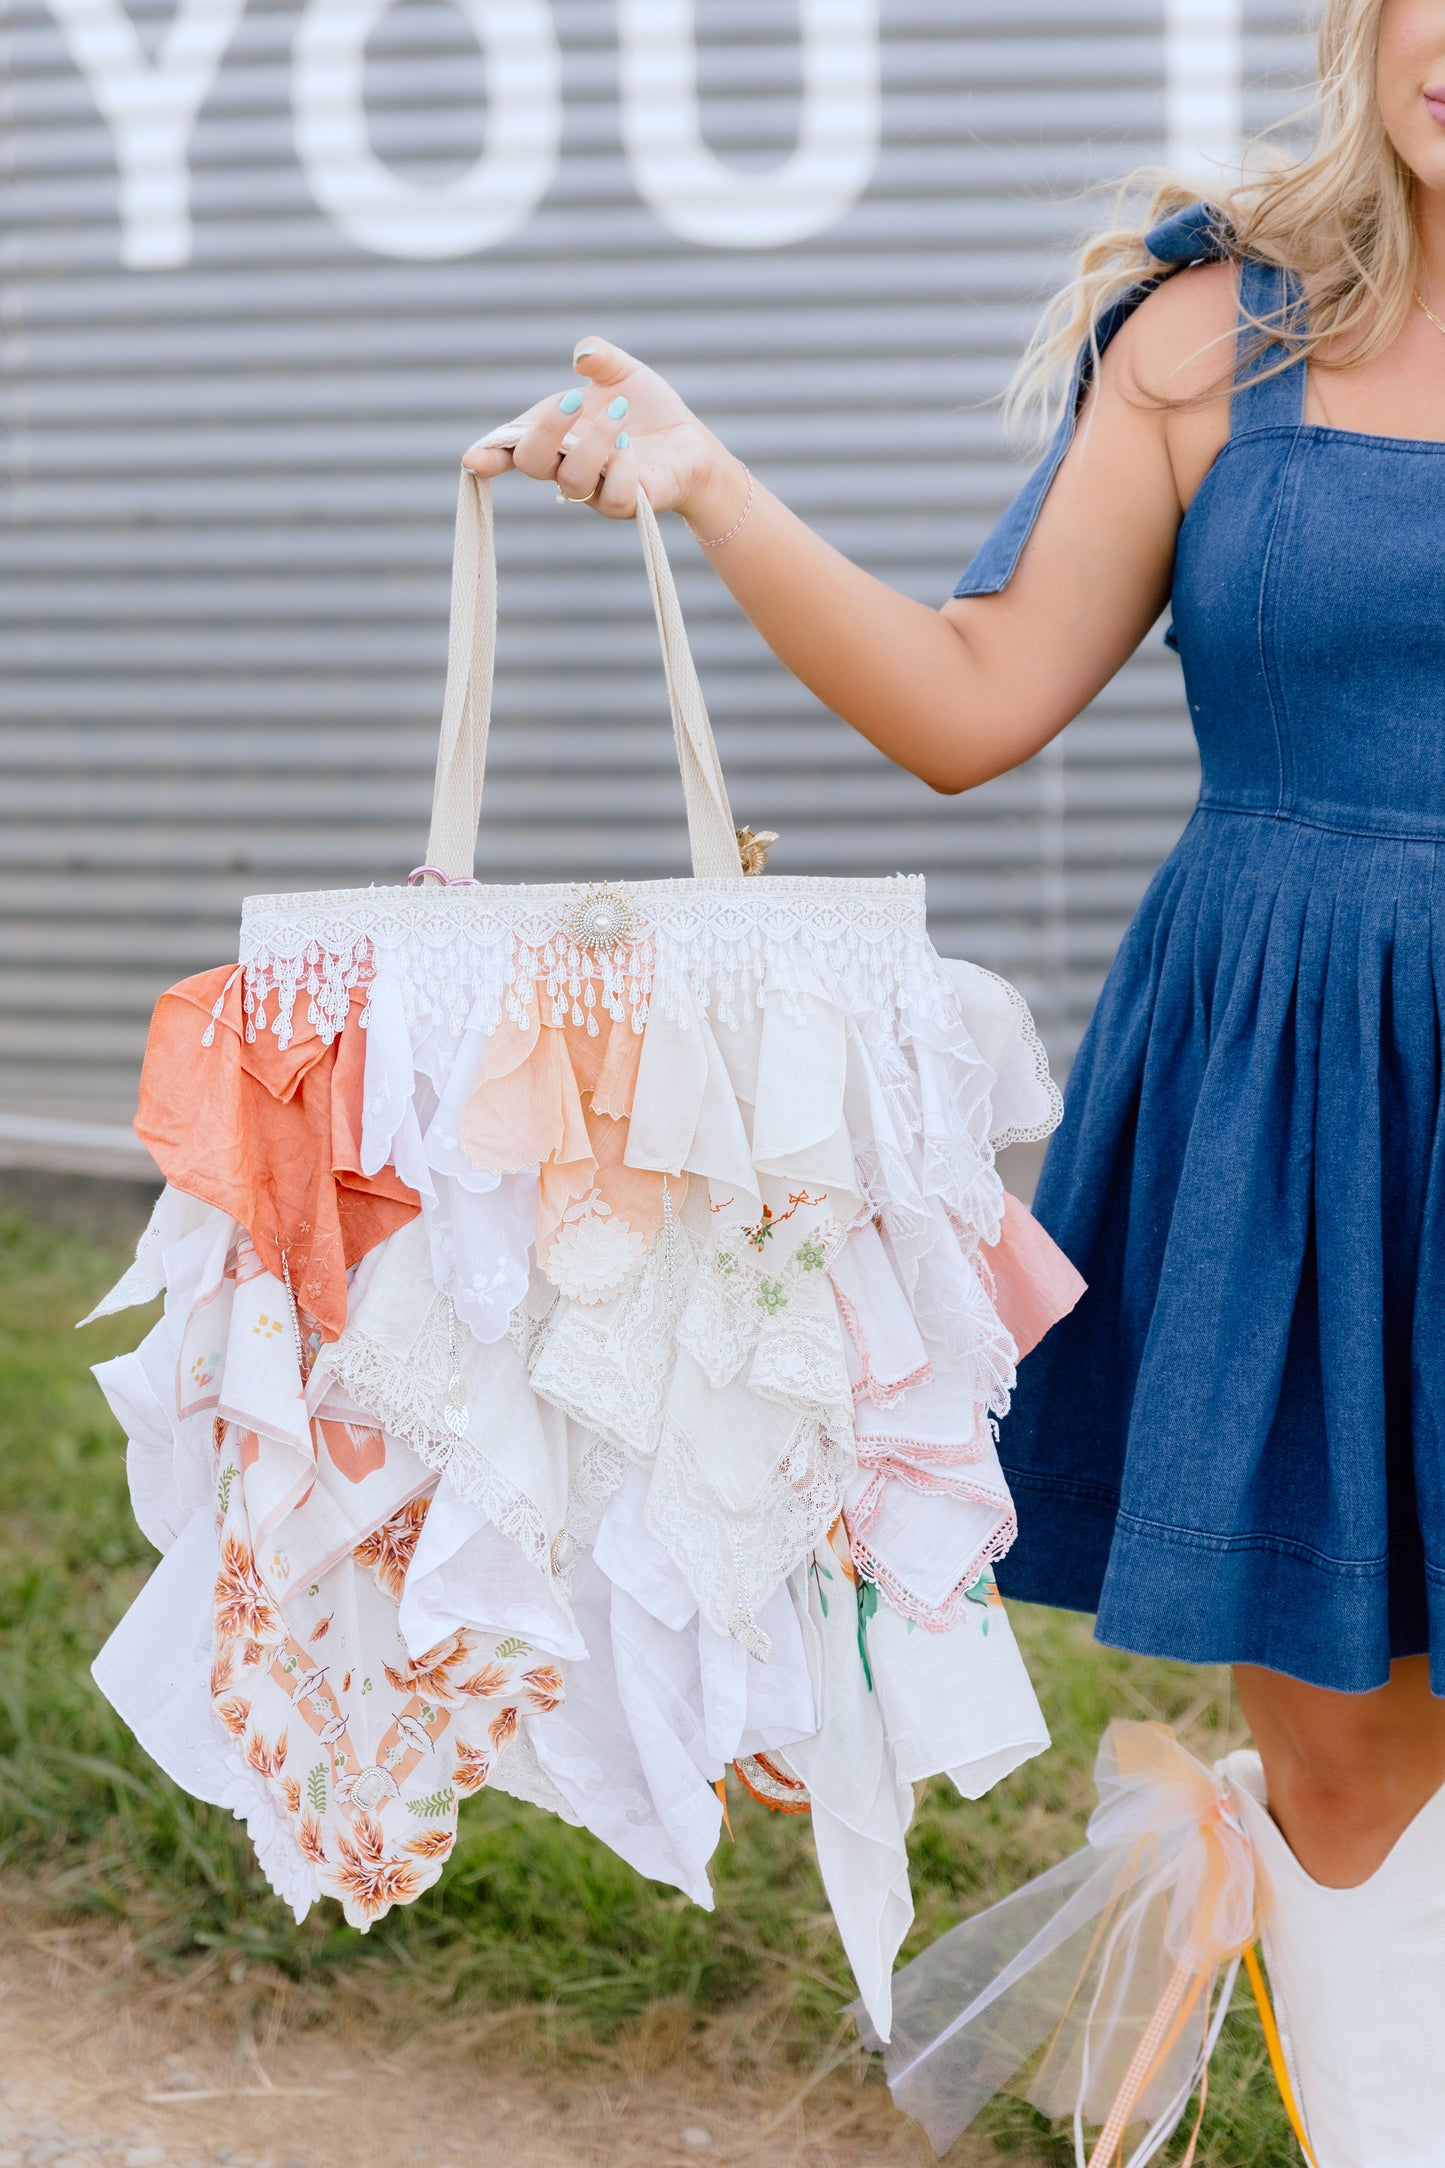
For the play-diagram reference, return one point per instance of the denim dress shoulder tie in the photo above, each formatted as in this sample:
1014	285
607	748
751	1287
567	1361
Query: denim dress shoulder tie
1234	1450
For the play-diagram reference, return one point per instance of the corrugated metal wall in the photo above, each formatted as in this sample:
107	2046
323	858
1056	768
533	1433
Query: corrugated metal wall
229	480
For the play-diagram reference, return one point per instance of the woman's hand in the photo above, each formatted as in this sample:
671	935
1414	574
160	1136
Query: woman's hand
961	694
626	429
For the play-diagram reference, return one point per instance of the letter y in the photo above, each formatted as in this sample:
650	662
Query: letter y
151	109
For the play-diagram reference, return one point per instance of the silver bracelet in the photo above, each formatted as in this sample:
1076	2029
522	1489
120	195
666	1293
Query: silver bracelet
717	540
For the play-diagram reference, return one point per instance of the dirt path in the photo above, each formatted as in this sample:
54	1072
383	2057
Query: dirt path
105	2066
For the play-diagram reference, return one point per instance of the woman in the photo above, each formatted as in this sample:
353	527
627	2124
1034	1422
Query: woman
1235	1450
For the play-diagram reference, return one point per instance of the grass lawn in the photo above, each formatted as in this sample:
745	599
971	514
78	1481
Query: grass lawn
528	1912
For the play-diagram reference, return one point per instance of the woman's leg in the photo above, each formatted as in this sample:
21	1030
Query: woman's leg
1346	1773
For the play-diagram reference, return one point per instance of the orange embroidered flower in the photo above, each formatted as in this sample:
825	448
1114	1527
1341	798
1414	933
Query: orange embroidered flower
267	1761
364	1874
308	1836
291	1794
235	1714
243	1610
223	1672
388	1550
471	1769
544	1687
502	1728
431	1844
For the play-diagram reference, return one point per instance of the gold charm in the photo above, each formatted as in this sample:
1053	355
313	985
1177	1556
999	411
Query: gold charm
754	846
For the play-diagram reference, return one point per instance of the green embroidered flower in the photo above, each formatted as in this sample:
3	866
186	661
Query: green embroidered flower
772	1296
725	1262
810	1256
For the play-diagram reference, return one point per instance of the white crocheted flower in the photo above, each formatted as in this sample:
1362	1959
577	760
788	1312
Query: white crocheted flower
594	1256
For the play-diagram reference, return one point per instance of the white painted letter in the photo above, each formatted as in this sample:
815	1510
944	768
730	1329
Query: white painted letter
376	207
1204	85
695	193
151	110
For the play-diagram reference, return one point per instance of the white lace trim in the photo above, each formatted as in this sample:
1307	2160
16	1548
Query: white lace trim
1033	1132
713	940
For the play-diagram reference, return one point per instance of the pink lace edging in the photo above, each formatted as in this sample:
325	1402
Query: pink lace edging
868	1386
876	1450
934	1618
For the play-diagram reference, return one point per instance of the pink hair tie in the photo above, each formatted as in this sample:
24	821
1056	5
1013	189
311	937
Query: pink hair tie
462	880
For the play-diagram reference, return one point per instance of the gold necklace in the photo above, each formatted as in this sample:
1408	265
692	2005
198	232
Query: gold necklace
1422	303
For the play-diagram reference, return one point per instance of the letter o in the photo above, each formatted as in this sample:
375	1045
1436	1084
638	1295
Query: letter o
376	207
698	195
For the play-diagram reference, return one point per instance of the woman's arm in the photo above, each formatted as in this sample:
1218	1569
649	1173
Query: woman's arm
960	695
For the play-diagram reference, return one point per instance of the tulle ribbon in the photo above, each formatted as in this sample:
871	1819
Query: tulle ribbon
1122	1959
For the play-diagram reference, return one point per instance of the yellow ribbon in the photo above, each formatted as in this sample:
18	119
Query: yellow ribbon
1275	2047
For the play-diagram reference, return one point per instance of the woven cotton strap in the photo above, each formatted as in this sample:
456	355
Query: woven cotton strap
467	709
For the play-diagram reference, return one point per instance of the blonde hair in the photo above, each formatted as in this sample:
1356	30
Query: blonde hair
1341	219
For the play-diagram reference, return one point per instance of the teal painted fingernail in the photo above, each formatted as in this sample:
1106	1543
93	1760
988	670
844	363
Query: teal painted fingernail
623	441
584	353
618	408
570	401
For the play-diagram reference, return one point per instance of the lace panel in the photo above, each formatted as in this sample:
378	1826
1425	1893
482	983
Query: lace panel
457	948
607	1365
733	1561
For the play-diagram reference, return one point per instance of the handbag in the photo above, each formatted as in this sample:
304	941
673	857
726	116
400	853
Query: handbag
588	1311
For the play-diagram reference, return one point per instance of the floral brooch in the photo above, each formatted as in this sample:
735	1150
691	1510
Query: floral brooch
600	918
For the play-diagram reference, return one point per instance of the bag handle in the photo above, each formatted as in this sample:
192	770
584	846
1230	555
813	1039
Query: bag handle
467	708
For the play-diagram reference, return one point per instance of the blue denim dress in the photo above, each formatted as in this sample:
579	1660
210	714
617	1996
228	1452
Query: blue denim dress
1234	1449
